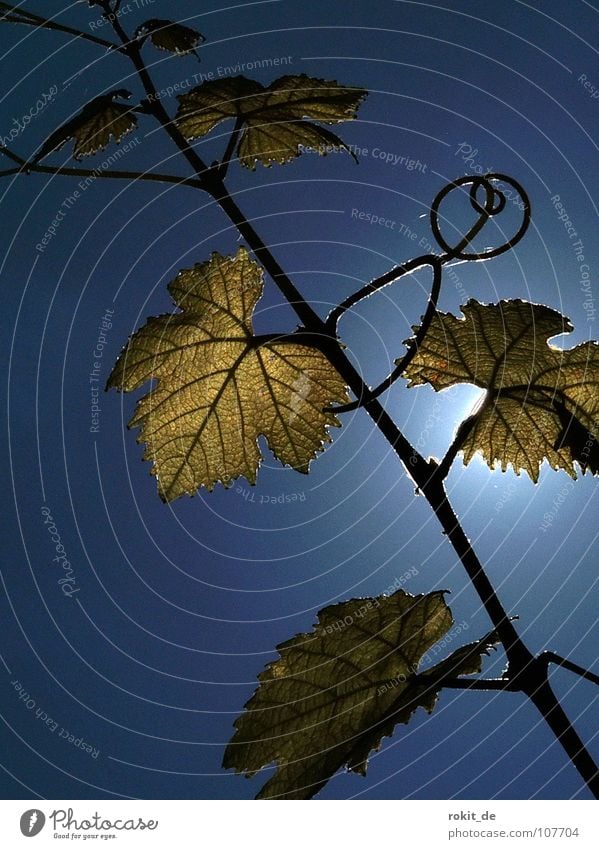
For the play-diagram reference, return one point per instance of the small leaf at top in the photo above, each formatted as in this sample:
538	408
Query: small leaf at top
219	387
173	37
92	129
541	402
336	691
273	117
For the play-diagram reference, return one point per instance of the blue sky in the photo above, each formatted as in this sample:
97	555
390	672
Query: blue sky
179	607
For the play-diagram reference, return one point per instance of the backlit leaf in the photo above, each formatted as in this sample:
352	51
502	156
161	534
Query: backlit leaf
173	37
338	690
541	402
273	117
219	387
100	120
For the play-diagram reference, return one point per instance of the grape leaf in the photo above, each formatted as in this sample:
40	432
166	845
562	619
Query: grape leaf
336	691
173	37
541	402
92	128
272	116
220	387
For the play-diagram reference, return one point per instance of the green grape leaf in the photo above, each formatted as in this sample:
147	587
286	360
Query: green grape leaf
92	129
273	122
336	691
541	402
173	37
219	386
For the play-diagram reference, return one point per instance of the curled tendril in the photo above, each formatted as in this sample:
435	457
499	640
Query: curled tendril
492	204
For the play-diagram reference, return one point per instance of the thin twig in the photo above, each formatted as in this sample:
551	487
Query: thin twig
26	167
30	19
478	684
11	155
552	657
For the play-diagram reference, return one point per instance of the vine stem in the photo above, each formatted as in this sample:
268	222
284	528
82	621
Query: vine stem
519	657
544	699
527	674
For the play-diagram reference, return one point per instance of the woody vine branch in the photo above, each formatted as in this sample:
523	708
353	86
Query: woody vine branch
525	673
